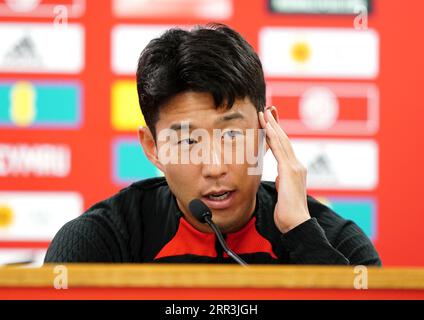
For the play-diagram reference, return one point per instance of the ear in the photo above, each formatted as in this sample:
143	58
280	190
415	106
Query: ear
149	146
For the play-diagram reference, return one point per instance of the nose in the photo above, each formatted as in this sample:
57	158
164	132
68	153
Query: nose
215	167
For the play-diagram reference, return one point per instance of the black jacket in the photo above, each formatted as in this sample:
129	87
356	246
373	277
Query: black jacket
142	223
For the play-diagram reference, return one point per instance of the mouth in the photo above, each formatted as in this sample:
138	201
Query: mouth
220	199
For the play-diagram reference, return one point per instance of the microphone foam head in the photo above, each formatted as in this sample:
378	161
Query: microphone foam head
199	210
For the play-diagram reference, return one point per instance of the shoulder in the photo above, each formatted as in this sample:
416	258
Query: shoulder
106	230
126	208
129	199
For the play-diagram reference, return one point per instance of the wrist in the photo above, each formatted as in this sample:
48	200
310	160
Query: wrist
286	227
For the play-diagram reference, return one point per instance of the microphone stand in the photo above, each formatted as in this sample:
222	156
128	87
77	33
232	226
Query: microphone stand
221	240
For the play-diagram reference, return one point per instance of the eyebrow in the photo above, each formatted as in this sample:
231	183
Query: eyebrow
182	126
228	117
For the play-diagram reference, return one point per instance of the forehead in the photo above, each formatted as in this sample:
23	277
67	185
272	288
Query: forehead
199	109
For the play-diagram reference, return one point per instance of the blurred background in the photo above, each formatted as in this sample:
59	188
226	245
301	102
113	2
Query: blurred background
345	75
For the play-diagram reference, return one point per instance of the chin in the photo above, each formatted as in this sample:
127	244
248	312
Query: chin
225	226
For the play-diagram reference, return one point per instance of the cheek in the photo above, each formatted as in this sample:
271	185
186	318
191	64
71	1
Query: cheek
181	177
253	140
251	182
246	182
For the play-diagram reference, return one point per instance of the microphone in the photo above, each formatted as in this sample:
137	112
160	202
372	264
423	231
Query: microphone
203	214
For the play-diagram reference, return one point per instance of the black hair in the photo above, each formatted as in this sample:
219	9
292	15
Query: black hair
212	58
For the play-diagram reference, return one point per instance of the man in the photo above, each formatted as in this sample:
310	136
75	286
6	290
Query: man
202	94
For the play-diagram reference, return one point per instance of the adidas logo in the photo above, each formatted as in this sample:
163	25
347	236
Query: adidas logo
23	53
320	166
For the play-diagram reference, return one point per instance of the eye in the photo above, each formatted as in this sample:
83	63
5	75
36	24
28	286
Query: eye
187	141
231	134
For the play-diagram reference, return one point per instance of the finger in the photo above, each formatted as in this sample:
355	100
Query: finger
275	145
262	126
284	139
270	118
284	164
262	121
275	127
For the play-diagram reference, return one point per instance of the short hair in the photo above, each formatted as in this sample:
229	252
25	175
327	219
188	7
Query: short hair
214	59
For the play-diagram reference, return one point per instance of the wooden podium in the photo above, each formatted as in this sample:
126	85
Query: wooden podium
178	281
